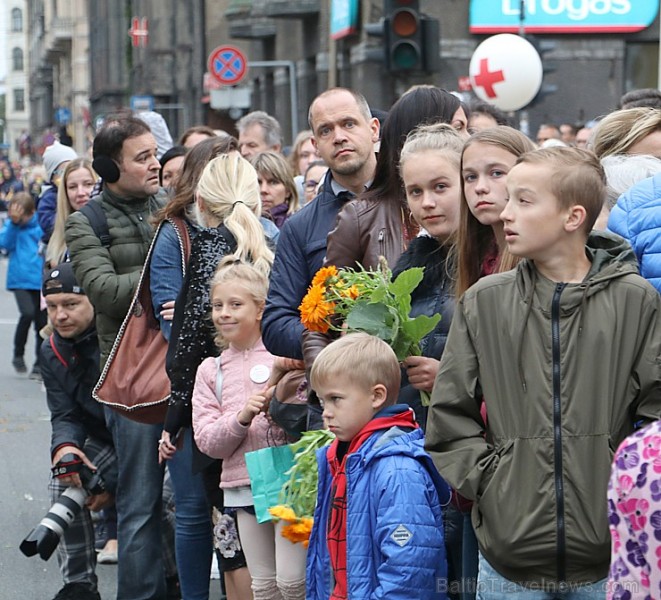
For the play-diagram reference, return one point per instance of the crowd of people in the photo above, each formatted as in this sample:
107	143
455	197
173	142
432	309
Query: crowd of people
533	472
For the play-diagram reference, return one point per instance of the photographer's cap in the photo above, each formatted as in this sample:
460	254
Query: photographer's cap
61	280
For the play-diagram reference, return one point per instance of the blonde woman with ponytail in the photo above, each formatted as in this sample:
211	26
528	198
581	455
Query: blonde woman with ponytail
228	194
227	207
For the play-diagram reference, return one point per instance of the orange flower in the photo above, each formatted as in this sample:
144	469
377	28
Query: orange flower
298	533
283	512
315	309
323	275
351	292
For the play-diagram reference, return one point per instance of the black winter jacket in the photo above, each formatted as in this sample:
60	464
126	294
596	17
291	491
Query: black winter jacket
434	295
299	255
193	332
69	376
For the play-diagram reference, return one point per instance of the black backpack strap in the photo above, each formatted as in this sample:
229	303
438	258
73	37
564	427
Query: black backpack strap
98	220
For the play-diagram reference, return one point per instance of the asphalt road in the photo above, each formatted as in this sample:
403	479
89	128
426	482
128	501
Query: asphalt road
24	472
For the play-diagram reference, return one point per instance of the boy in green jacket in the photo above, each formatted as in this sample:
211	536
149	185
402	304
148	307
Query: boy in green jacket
565	352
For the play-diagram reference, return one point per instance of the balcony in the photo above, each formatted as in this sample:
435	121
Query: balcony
292	9
238	7
58	37
247	20
252	28
62	29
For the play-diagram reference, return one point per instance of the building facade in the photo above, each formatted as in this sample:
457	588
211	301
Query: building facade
88	58
592	70
17	113
148	53
59	73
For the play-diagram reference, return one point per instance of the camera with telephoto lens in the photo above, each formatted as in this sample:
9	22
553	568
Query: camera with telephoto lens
45	537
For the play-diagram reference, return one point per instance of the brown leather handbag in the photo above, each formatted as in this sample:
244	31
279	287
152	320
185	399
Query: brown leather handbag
134	381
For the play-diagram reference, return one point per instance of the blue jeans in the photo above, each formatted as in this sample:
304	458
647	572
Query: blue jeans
469	559
140	568
193	533
491	585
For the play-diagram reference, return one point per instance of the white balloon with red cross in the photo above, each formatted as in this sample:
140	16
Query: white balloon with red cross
506	71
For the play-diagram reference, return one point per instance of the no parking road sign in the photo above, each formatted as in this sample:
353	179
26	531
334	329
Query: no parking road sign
228	64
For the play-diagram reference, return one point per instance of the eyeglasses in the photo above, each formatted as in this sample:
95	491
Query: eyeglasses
310	184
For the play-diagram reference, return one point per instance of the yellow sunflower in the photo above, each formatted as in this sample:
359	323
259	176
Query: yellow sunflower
323	275
298	533
351	292
283	512
315	309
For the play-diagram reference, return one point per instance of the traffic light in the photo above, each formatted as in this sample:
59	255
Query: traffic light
543	47
411	39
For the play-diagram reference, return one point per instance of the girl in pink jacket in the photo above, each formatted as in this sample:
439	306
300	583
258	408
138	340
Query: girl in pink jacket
230	418
634	516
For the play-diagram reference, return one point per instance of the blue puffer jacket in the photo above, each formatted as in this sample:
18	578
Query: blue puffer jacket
395	542
637	218
46	209
25	264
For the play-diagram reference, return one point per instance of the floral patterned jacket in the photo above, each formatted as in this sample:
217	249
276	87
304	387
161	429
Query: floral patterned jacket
634	506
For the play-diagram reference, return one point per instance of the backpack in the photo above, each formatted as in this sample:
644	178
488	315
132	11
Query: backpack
98	221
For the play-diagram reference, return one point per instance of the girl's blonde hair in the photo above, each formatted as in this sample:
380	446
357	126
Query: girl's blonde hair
57	246
474	240
439	137
229	190
620	130
231	269
275	165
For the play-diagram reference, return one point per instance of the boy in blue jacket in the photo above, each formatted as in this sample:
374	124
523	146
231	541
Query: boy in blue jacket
378	528
20	238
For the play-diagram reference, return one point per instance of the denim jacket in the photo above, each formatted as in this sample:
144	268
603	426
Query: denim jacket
166	271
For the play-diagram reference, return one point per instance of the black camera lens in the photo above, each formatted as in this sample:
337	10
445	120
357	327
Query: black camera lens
45	537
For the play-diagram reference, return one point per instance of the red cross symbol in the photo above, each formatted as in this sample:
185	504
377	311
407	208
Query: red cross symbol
487	79
139	32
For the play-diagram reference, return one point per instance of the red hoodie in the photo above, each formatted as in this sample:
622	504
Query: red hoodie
337	527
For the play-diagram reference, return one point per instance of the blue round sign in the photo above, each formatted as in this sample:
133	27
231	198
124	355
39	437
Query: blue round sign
63	116
227	64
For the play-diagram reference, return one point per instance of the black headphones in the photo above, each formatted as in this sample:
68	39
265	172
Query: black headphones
106	167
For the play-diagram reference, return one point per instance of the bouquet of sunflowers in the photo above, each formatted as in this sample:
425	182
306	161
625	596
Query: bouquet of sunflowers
368	301
347	300
299	493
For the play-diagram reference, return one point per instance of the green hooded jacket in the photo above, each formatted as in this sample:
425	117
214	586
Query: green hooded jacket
565	371
110	276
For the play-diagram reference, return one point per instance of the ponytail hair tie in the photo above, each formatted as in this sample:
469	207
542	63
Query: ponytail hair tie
237	202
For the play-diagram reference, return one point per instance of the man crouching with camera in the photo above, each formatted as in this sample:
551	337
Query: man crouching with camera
81	444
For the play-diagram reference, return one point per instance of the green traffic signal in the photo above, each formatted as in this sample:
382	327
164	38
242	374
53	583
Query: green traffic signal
411	38
405	56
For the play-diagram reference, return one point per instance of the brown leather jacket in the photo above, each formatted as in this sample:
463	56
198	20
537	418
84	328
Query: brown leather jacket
365	230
